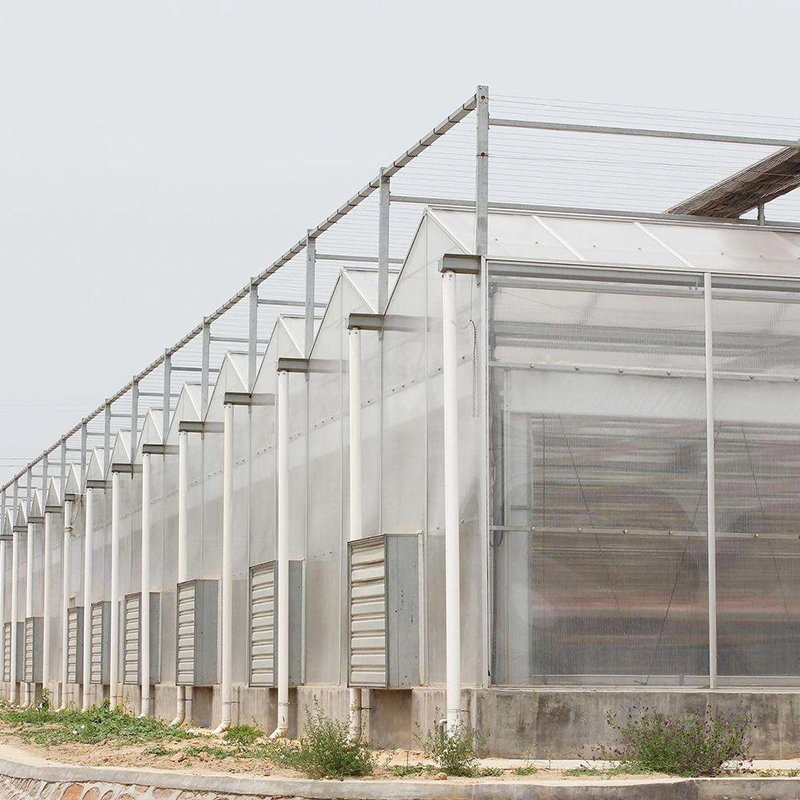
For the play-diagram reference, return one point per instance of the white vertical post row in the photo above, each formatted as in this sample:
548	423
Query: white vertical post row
183	543
710	492
28	597
65	578
451	511
88	559
227	568
48	543
355	532
144	602
482	172
283	554
13	695
113	665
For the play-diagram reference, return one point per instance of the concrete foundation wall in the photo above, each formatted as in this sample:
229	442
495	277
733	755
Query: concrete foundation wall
535	723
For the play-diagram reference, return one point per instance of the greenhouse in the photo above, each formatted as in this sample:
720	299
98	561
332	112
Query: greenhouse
496	462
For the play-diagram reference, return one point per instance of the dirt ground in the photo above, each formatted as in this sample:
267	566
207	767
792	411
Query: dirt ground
110	753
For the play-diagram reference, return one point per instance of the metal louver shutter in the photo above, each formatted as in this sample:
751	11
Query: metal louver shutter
99	642
75	644
187	596
130	628
32	650
368	613
262	625
7	652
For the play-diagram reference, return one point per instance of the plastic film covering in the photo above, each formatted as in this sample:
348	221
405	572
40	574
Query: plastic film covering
101	545
55	597
327	438
598	480
757	459
38	570
76	539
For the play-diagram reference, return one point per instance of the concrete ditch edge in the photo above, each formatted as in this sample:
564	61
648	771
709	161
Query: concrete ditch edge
34	778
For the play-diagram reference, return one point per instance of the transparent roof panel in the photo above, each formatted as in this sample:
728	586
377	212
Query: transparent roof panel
730	249
607	241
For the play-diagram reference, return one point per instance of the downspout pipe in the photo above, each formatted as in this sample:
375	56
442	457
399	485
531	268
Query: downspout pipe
65	579
48	543
113	665
88	559
3	616
28	602
183	542
13	693
144	603
451	511
283	555
356	521
227	569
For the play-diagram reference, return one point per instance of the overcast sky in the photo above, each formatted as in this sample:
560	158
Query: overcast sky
154	155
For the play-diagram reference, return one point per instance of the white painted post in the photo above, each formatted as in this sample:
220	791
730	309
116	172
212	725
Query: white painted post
88	559
144	607
183	544
65	578
113	665
711	500
451	510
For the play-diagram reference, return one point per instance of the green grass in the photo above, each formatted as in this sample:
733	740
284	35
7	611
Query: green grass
51	728
525	770
210	750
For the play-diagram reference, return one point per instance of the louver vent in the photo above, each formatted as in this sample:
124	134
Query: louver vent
264	623
75	644
197	633
132	636
100	642
384	636
32	651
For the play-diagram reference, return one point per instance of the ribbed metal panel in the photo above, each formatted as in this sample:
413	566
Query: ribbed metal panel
7	652
262	625
130	637
368	657
99	642
75	644
187	607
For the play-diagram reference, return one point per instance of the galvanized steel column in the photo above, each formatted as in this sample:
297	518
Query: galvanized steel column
88	558
482	172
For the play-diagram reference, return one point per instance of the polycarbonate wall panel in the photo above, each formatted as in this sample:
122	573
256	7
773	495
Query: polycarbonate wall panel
55	567
101	544
757	461
38	570
205	552
168	552
598	481
75	588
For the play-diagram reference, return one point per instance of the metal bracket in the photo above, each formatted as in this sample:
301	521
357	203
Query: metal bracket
192	426
36	520
292	365
247	399
460	263
95	484
159	450
365	322
124	468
